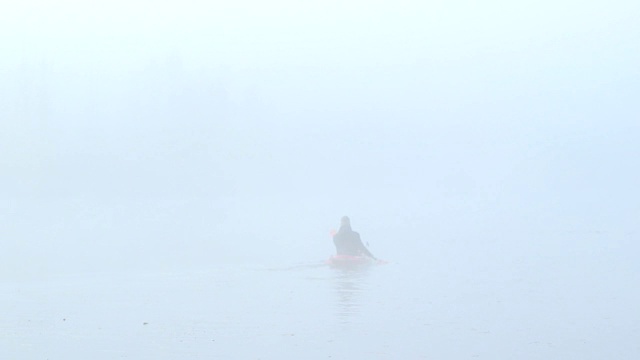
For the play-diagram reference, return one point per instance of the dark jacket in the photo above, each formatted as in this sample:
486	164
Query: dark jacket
348	242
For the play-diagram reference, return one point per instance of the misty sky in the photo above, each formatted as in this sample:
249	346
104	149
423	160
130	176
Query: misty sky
162	132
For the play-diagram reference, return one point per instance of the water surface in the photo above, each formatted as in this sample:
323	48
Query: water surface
431	309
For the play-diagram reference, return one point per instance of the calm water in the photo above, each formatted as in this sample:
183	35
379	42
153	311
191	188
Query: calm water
431	309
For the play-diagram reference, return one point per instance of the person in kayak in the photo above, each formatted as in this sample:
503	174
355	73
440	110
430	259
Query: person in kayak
348	241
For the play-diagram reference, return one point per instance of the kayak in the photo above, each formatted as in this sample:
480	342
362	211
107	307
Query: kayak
349	261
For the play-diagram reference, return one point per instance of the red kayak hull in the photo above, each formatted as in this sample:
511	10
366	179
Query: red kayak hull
348	260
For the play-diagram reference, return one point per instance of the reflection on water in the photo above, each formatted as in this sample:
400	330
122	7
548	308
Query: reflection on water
349	284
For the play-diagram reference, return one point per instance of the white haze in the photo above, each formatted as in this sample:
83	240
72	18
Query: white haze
159	132
149	136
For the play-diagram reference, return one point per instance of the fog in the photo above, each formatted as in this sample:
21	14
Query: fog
495	137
